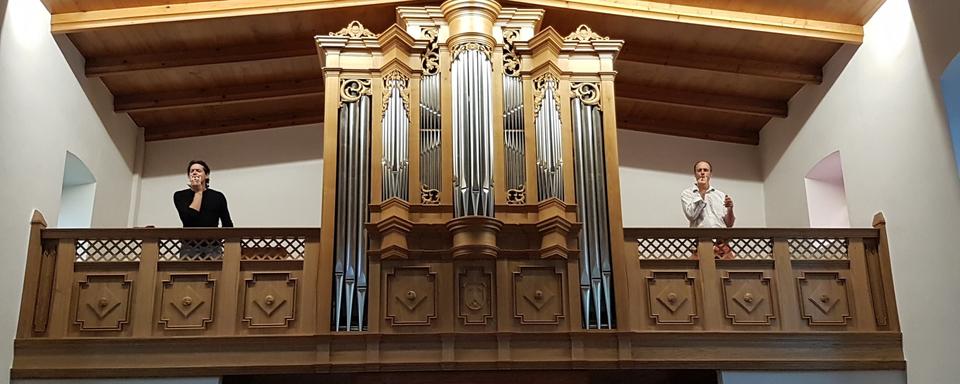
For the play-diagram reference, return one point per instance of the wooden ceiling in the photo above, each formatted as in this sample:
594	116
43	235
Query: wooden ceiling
710	69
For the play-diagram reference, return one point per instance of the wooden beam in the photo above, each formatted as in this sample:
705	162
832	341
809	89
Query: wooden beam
700	100
725	134
91	20
787	72
176	131
115	65
815	29
217	96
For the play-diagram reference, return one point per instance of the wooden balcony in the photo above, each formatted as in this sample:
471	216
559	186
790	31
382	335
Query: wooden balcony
206	302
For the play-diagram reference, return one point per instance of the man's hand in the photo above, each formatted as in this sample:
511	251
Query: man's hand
728	202
196	184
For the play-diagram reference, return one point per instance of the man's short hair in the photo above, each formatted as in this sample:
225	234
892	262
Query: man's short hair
206	170
702	161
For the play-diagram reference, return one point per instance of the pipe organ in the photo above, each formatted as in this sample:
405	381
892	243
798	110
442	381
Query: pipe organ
429	218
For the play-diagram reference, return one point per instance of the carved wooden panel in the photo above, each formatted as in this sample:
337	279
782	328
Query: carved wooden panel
103	302
672	297
269	300
411	296
186	301
475	295
823	298
538	295
747	298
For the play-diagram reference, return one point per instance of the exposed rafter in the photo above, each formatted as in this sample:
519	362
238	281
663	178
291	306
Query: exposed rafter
726	134
788	72
118	17
205	97
822	30
700	100
226	126
115	65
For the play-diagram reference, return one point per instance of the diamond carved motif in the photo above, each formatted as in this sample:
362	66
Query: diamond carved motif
103	303
475	299
748	298
412	296
672	297
823	297
187	301
269	300
538	295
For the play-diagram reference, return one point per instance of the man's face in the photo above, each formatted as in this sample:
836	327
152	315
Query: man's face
196	170
702	173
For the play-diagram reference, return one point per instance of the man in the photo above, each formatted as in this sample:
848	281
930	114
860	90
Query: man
708	207
200	206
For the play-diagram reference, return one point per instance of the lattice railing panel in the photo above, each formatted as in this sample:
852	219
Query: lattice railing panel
751	248
191	249
272	248
108	250
818	249
666	248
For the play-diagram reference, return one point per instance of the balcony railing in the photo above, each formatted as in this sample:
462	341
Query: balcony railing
187	302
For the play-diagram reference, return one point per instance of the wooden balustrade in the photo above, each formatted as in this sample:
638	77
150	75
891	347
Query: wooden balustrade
179	302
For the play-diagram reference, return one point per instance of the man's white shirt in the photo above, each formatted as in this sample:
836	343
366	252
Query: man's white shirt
704	212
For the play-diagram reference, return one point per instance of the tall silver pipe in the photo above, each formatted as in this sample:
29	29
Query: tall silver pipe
590	178
350	270
395	123
549	144
473	131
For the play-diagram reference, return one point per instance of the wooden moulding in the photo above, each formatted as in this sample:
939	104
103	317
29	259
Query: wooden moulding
392	227
474	236
558	231
200	356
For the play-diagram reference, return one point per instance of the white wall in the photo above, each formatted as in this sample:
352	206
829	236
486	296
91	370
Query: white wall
76	205
655	168
48	108
801	377
271	178
885	115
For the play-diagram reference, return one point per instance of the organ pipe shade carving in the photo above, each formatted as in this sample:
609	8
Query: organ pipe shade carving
471	82
549	145
515	151
596	285
430	155
350	241
396	126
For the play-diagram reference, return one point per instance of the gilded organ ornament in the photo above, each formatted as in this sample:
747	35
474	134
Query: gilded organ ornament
588	93
354	30
352	89
511	60
471	46
540	89
396	79
431	58
584	34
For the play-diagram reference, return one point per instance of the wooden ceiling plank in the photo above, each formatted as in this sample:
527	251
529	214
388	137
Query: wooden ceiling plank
787	72
705	133
217	96
814	29
120	17
691	99
227	126
116	65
